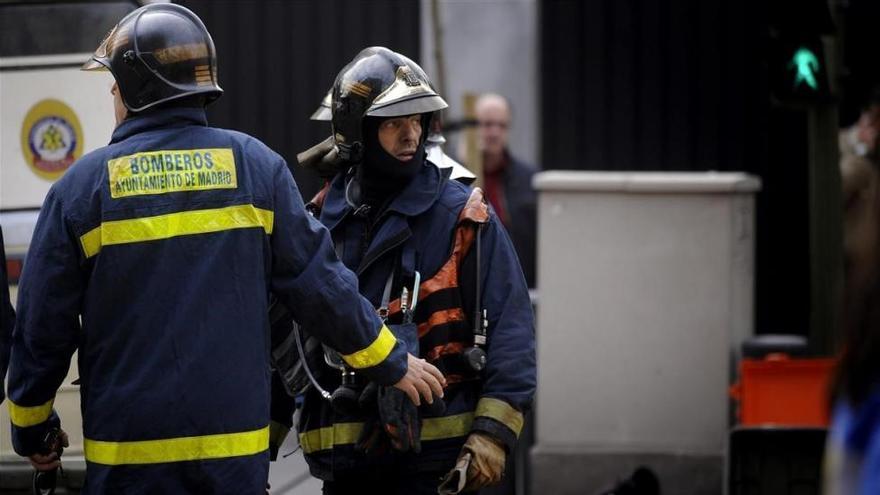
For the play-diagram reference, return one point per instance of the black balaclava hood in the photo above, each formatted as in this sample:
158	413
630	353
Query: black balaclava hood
381	176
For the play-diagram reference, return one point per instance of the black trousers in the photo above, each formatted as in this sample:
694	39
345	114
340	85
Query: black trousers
386	483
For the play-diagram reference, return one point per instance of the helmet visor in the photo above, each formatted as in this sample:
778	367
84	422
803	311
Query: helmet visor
323	112
94	65
407	95
415	105
115	39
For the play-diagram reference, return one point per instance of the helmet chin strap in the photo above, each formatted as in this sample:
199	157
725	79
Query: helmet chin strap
353	189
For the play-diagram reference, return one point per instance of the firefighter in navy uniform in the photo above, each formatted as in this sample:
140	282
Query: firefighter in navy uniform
154	257
435	261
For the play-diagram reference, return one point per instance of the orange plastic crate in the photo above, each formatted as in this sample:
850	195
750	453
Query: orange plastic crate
786	391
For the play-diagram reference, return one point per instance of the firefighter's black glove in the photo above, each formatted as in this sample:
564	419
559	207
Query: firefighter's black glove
277	434
372	438
400	419
397	421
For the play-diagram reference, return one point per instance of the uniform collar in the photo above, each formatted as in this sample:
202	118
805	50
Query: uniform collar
422	192
160	118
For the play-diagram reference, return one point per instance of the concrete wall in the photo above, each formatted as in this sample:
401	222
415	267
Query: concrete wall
489	45
646	291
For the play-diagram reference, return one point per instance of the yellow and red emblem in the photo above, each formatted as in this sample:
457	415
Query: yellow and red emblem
51	138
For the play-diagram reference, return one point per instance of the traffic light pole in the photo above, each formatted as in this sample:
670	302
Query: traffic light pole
826	228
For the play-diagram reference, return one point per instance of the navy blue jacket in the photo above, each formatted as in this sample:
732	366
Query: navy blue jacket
416	233
166	244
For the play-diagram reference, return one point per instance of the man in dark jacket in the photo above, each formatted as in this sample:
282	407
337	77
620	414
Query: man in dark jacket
155	257
435	261
507	179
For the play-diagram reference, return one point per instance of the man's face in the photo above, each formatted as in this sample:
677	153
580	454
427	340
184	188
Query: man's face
399	136
118	107
493	117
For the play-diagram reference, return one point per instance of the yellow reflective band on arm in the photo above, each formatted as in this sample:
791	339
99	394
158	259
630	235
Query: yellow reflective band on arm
457	425
502	412
375	353
174	225
177	449
24	416
167	171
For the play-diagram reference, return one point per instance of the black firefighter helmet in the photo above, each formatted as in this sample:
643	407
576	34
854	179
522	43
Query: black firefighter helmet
157	53
377	83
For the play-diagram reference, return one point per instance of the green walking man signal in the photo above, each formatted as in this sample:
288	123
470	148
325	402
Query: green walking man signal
807	65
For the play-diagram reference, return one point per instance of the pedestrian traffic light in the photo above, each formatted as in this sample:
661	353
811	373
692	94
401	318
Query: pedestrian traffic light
797	62
799	73
806	66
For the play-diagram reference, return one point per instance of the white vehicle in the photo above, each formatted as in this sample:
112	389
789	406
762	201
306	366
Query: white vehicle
51	114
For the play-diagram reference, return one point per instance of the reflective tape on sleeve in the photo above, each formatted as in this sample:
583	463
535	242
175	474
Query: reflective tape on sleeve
24	416
375	353
502	412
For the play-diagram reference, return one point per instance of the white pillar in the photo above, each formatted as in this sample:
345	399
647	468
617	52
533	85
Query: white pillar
646	284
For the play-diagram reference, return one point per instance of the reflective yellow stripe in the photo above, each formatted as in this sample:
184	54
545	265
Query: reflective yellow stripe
175	224
375	353
91	242
457	425
502	412
177	449
326	438
24	416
